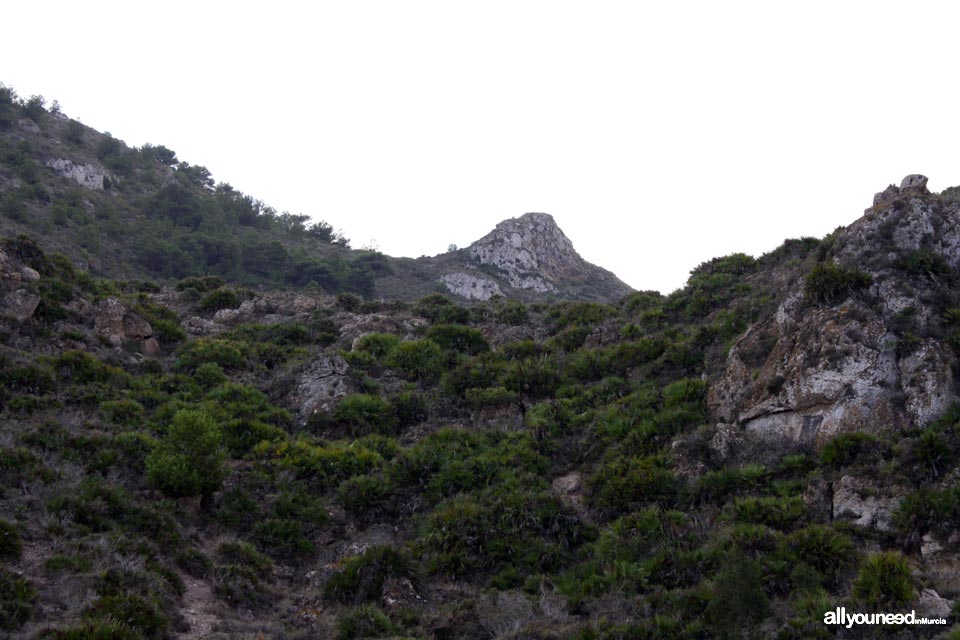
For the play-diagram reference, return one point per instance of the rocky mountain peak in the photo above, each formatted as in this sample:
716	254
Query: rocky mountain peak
530	255
531	251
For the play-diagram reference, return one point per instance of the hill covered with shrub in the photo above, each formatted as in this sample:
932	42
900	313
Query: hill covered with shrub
132	213
193	457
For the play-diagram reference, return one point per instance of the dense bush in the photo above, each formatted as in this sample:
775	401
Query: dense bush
419	359
362	577
16	600
189	460
829	283
884	581
10	544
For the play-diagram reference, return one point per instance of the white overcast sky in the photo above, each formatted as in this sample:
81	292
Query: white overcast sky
658	134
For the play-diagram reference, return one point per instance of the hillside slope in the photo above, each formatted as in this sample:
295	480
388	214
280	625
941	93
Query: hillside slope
141	213
205	460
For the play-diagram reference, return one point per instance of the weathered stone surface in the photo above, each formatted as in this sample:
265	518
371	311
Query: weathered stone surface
109	319
136	327
20	304
227	316
202	326
352	327
856	499
724	440
531	252
887	195
29	275
115	322
86	175
303	304
150	347
321	385
914	181
931	605
813	370
568	484
470	287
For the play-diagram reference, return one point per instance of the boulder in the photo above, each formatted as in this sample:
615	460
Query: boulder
118	324
21	304
855	499
914	181
29	275
321	385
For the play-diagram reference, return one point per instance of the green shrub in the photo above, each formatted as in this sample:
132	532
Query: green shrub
83	368
282	538
455	337
209	374
303	506
11	546
776	512
238	509
884	581
490	397
224	298
738	598
362	577
418	359
95	630
364	622
624	484
133	611
16	600
376	344
362	494
62	563
189	460
822	547
924	262
361	413
241	553
409	407
525	530
829	283
228	354
439	309
122	412
241	588
717	486
845	448
203	284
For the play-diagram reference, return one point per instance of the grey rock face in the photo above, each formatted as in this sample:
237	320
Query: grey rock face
855	499
20	304
813	370
531	253
530	250
914	181
471	287
86	175
321	385
115	322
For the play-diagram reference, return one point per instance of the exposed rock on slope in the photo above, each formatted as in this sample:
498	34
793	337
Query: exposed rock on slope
867	360
531	253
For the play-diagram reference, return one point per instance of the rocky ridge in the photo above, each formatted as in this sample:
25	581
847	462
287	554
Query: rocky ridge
871	361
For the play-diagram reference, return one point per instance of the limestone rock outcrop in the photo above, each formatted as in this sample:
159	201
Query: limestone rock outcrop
86	175
531	254
870	360
471	287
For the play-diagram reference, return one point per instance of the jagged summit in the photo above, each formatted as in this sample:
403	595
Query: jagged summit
530	254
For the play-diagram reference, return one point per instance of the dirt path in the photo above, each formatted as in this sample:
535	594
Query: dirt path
199	605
